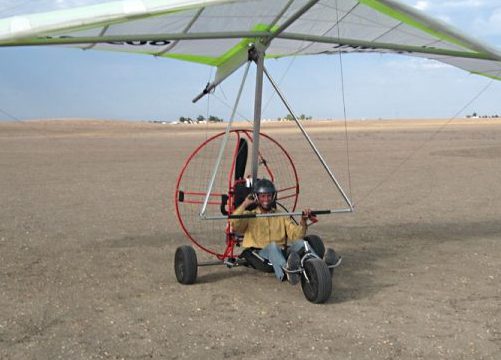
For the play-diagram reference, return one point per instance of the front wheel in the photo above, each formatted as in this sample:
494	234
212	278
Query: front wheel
316	281
185	265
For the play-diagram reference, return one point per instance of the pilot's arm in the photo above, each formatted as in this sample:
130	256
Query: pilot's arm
240	225
298	231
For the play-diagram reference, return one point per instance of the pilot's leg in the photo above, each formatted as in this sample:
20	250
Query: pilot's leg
299	246
273	253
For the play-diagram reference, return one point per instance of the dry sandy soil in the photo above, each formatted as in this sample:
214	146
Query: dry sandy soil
88	234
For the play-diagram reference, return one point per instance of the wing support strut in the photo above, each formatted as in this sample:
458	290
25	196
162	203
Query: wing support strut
310	142
257	55
223	145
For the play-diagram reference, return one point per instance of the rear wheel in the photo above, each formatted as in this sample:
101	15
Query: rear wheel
317	284
185	265
316	244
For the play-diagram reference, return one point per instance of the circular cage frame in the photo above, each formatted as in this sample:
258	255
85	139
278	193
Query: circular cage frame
231	239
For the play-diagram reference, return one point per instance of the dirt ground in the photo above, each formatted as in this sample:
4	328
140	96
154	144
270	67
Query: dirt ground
88	235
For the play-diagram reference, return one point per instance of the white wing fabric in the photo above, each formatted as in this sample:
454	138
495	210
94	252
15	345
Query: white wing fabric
218	32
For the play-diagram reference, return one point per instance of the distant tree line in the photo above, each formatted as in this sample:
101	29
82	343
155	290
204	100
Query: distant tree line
475	115
200	119
289	117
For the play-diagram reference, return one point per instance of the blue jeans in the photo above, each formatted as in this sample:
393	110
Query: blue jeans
273	253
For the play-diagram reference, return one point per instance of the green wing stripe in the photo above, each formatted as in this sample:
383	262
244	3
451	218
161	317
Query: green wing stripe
406	19
494	77
216	61
206	60
245	42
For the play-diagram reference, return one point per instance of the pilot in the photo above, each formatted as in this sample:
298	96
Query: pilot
269	235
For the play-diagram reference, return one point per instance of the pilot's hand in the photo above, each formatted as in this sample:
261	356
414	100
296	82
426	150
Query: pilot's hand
249	200
307	215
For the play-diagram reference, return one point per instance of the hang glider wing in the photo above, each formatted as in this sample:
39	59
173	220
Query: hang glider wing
218	32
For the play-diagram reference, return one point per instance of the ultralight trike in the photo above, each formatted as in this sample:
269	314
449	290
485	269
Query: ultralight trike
229	188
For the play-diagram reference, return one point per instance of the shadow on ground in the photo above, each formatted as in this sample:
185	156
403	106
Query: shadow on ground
366	252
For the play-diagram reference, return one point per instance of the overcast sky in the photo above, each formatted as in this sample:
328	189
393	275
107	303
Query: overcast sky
59	83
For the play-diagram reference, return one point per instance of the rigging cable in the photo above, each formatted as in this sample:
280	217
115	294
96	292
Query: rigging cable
9	115
293	58
344	107
246	118
426	141
225	103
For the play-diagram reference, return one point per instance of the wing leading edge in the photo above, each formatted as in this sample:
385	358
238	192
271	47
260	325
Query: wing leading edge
219	32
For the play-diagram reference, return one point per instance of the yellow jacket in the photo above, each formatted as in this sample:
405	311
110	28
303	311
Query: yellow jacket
259	232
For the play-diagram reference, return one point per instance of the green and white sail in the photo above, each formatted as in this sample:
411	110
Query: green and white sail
218	32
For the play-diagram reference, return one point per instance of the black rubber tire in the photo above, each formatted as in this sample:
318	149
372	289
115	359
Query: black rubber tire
317	244
318	290
186	265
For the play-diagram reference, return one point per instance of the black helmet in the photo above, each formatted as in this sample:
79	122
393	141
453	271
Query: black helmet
264	186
